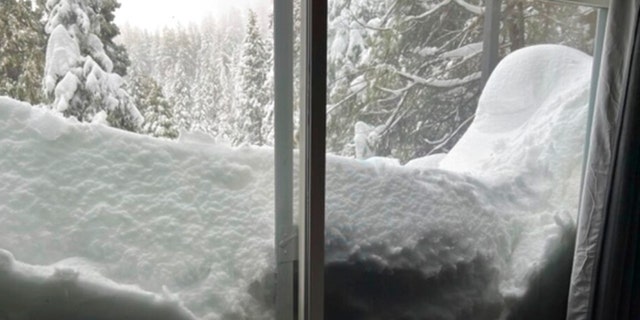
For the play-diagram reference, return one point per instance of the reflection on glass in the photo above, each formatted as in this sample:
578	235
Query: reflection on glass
447	199
137	167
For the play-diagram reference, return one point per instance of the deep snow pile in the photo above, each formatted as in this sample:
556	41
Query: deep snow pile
61	292
526	141
197	218
194	218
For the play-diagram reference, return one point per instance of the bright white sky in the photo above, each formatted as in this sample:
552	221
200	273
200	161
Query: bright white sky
153	14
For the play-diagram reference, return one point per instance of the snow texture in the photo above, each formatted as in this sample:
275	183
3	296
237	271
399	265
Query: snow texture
430	161
62	292
196	218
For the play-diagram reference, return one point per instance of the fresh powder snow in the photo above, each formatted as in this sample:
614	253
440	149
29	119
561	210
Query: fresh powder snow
190	223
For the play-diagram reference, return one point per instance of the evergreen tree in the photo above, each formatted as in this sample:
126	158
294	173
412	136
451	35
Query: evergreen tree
197	68
158	115
181	88
104	11
252	117
208	88
79	74
230	37
22	44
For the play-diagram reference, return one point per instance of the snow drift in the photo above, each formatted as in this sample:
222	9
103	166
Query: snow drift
196	220
60	292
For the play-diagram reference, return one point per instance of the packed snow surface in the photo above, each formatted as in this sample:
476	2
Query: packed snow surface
195	219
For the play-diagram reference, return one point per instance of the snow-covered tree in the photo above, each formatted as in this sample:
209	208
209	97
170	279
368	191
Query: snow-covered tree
183	74
252	119
22	44
158	115
208	89
197	67
108	31
79	75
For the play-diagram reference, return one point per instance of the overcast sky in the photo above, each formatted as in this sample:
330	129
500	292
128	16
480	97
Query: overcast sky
153	14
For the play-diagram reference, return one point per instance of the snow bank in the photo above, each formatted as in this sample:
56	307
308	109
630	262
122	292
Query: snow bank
60	292
197	218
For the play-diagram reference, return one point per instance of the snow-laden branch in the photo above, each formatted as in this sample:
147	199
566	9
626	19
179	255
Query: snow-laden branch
395	116
470	7
464	51
429	12
366	25
332	107
432	142
441	83
467	6
395	93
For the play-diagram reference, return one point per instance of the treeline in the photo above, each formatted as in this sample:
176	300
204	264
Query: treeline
216	75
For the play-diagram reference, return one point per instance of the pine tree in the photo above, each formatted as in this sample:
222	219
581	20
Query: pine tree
208	88
231	35
251	119
79	73
181	88
105	14
158	115
22	44
197	68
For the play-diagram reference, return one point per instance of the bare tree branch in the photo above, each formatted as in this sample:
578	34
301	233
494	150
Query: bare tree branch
453	134
331	108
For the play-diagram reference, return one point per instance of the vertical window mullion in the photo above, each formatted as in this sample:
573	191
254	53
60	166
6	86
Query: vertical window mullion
285	239
315	79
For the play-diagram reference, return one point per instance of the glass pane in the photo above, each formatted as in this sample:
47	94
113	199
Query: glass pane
447	198
136	142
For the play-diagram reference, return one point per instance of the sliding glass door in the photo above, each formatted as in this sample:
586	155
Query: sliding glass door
453	177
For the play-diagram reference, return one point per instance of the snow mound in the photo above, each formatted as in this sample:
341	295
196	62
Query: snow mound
531	104
54	292
527	140
151	212
196	218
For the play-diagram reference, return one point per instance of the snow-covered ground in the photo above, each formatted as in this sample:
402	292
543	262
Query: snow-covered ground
195	220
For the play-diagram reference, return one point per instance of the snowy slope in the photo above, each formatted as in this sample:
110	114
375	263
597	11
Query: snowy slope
197	218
